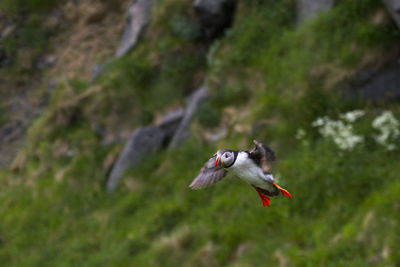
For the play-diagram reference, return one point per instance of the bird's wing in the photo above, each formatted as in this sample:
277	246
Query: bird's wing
262	155
208	174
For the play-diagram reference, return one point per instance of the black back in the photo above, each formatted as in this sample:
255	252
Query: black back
262	155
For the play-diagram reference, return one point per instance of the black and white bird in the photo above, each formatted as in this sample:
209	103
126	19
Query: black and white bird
251	166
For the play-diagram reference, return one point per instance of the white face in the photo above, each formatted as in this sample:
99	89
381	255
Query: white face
227	159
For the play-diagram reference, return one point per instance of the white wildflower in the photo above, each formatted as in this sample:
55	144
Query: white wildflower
341	133
388	127
300	134
318	122
352	116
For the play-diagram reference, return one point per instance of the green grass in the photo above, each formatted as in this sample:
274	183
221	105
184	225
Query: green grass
16	6
331	194
3	114
345	207
27	42
302	65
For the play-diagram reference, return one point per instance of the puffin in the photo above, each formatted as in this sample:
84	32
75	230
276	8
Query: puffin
252	166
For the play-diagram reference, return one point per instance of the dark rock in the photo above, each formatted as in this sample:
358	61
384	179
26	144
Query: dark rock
393	7
3	58
195	100
13	106
138	17
377	85
47	61
214	16
96	71
142	142
51	86
11	131
7	30
307	9
11	134
99	69
170	123
171	131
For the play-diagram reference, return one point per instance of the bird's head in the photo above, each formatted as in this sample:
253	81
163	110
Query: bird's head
225	158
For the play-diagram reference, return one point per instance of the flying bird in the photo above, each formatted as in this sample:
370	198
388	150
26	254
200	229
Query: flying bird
251	166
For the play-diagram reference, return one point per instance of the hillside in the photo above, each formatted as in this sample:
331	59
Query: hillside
321	91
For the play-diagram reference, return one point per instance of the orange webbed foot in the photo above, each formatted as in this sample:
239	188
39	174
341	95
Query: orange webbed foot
265	199
283	191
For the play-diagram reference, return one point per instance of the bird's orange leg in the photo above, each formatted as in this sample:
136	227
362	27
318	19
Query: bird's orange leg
283	191
265	199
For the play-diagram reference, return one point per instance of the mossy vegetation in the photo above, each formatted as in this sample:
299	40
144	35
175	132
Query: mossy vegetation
3	115
17	6
281	77
28	38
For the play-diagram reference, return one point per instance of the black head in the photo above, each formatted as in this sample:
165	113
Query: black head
225	158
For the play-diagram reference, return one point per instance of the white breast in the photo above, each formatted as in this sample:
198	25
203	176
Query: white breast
247	170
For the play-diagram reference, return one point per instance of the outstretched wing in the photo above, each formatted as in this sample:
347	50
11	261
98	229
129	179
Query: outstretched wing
262	155
208	174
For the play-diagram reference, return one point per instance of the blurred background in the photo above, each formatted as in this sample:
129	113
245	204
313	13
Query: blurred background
108	110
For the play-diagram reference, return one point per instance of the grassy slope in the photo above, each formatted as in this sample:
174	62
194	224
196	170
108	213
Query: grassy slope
345	205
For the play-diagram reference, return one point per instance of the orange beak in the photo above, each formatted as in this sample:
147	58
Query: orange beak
216	162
